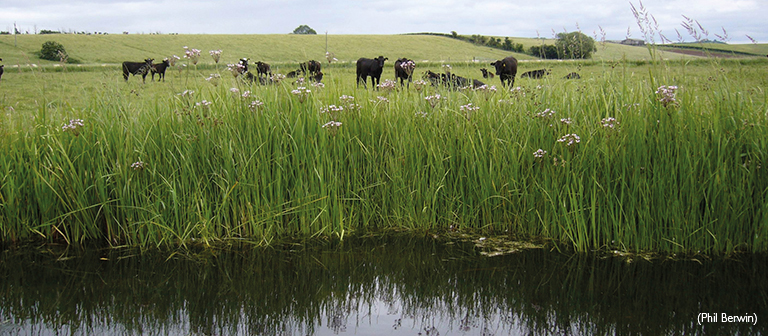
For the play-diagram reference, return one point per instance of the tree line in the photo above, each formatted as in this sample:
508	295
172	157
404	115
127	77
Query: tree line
574	45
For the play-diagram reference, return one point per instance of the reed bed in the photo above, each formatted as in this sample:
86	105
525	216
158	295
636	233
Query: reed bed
666	157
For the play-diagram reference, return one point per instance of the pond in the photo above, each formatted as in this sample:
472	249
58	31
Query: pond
374	286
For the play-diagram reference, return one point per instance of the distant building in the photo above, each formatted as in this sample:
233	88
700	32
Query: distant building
633	42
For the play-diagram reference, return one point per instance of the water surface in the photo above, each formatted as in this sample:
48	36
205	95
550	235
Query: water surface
372	286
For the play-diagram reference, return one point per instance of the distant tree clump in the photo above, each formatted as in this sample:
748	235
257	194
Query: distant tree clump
52	51
575	45
46	31
305	30
545	51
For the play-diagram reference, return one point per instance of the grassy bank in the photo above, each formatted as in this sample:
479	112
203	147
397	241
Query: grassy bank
151	165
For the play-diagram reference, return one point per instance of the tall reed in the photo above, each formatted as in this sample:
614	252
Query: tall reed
157	165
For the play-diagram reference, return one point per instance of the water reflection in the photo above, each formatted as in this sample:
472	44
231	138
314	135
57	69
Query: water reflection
375	286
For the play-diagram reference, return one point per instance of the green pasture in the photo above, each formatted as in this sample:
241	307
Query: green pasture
152	165
286	48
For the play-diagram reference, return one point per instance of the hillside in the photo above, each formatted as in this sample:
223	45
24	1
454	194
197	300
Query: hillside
288	48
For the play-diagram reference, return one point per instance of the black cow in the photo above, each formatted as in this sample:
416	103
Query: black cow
506	69
537	74
477	83
263	69
572	75
317	77
486	74
404	70
137	68
293	74
159	69
432	77
312	67
370	67
1	70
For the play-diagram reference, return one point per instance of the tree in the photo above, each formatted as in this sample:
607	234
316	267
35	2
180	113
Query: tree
305	30
575	45
50	51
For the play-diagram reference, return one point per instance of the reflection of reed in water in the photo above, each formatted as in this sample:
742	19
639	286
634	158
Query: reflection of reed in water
401	286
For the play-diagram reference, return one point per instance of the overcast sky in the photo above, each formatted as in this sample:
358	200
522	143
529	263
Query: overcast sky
514	18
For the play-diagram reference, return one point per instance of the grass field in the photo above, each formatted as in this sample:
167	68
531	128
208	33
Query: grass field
152	165
114	49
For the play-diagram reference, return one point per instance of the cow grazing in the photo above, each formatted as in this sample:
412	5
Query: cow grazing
293	74
370	67
310	67
432	77
263	69
404	70
137	68
486	74
537	74
506	69
572	75
159	69
316	77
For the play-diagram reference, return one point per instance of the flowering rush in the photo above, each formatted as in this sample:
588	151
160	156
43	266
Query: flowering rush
548	113
666	95
138	165
609	122
192	54
73	126
468	108
434	100
569	139
216	54
539	153
255	105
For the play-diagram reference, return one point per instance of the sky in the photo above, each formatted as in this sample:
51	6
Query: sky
735	21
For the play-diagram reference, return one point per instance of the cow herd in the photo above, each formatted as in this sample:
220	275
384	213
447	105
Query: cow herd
506	70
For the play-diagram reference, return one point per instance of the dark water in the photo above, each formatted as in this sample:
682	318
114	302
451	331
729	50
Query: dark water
374	286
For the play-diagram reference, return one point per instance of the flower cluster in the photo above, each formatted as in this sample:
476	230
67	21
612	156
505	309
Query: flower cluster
73	126
408	66
138	165
388	85
277	78
203	104
666	95
486	88
301	92
421	114
332	109
434	100
236	69
214	79
246	94
609	122
186	94
419	84
234	90
318	85
548	113
330	57
569	139
566	121
216	54
332	126
192	54
539	153
469	107
256	105
347	99
172	60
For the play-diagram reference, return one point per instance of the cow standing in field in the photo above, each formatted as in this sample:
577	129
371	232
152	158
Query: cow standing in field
506	69
537	74
159	69
263	69
370	67
404	70
1	69
137	68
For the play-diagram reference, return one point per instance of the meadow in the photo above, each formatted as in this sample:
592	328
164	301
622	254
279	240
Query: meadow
636	156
